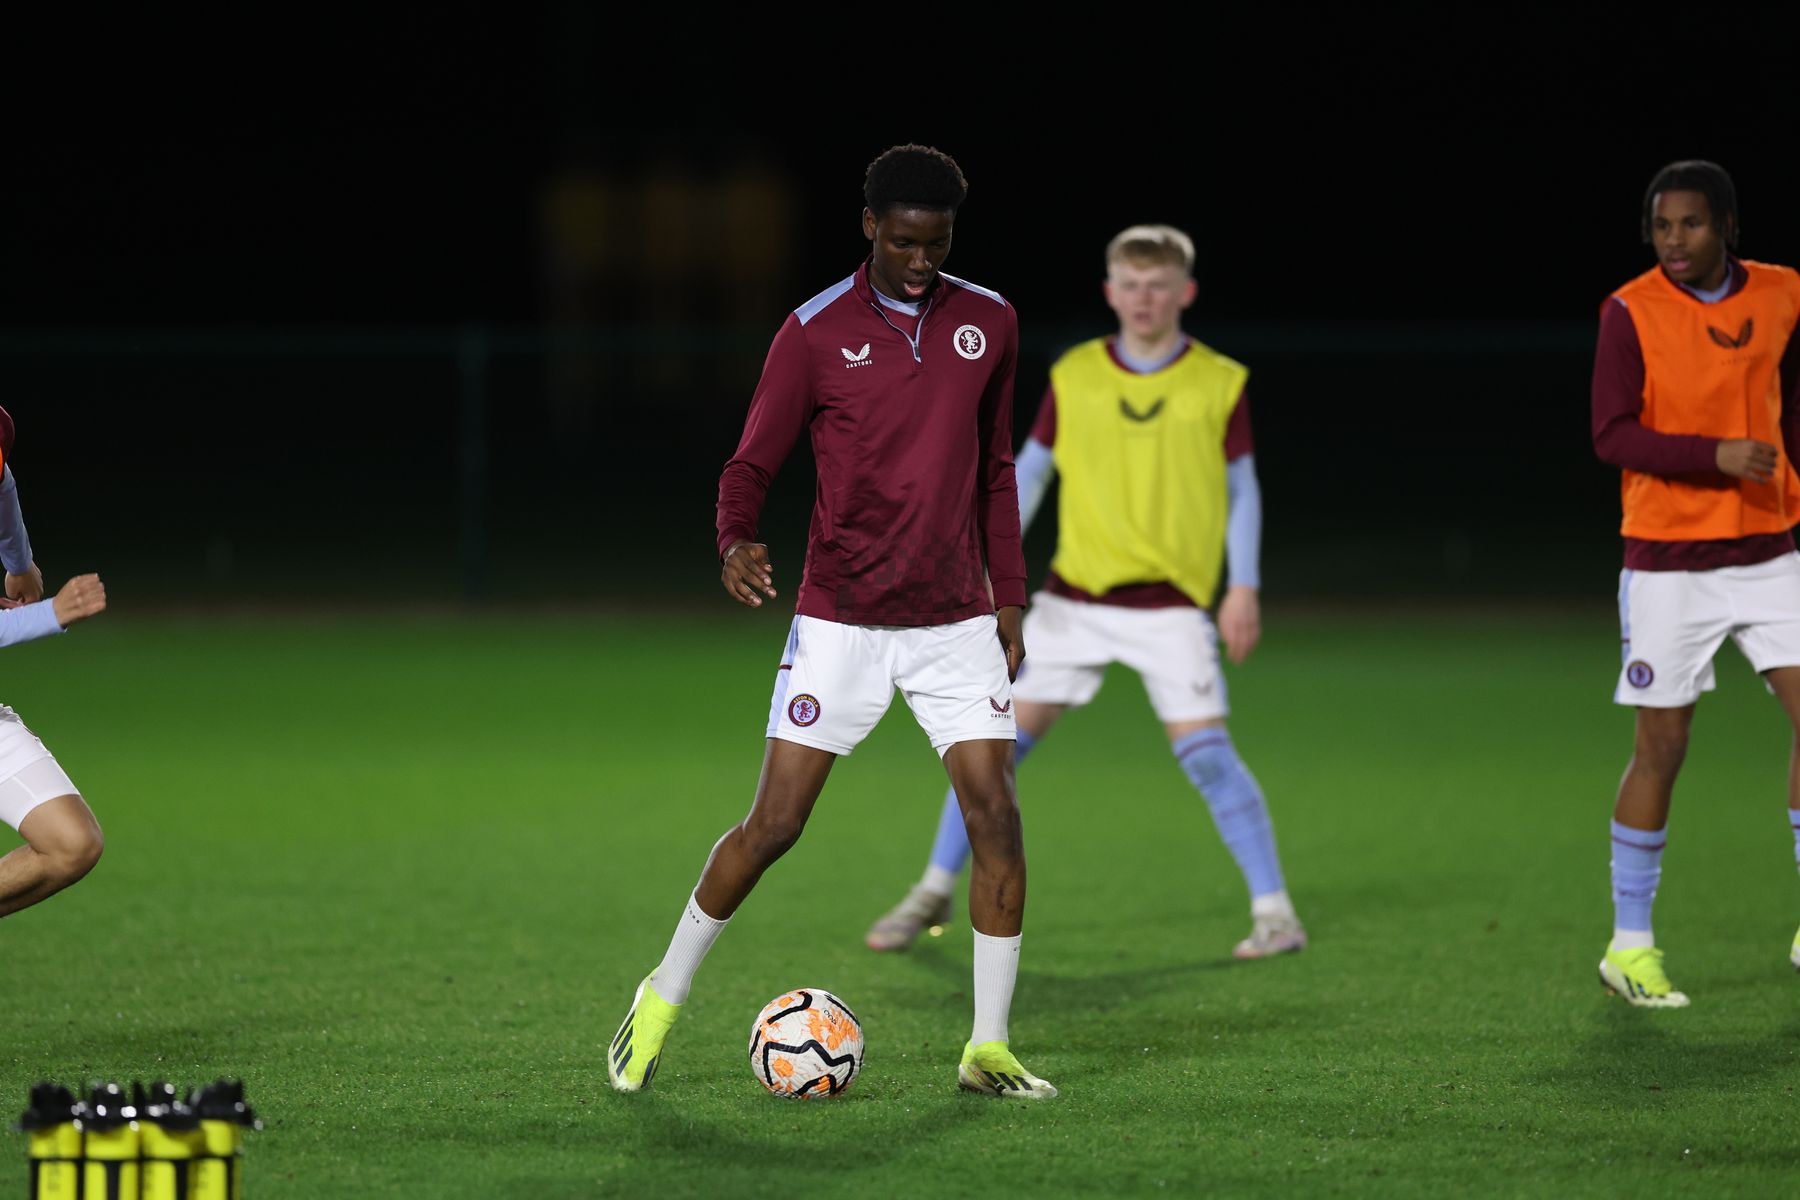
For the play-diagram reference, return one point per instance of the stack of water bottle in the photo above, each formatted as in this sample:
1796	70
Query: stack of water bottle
145	1144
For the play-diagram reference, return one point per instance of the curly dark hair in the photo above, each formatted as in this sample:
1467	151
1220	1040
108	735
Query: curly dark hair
914	177
1707	178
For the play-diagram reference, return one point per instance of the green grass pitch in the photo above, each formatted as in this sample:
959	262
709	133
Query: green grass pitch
402	874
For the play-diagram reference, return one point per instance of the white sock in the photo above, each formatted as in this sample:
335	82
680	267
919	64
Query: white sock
1273	904
1632	939
938	881
694	936
996	970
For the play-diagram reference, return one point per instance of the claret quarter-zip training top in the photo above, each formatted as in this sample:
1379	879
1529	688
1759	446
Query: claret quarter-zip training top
911	425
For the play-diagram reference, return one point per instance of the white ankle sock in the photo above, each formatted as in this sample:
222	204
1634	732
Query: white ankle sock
1632	939
996	971
1273	904
694	936
938	881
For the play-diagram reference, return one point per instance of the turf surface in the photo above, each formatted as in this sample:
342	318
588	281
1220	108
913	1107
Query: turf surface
403	874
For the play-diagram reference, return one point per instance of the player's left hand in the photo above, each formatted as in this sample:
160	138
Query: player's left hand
1012	638
27	588
1240	622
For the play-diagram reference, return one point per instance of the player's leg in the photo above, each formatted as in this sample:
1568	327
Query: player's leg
1671	623
1239	812
1175	651
37	798
954	678
62	841
1768	599
826	699
792	778
1785	683
927	904
1064	669
981	772
1632	966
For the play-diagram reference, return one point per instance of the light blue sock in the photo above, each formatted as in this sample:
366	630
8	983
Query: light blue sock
1236	801
1636	870
1794	816
950	852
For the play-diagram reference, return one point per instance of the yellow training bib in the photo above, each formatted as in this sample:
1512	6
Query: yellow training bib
1142	460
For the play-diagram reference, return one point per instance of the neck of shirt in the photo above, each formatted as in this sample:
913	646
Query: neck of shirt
1716	294
1148	366
911	310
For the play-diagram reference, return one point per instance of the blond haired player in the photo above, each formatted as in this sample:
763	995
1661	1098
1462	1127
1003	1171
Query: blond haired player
1150	431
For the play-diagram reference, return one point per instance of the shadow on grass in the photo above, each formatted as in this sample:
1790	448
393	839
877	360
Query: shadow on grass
1073	994
1630	1052
659	1146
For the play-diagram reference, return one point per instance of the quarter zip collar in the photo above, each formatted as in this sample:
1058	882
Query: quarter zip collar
865	290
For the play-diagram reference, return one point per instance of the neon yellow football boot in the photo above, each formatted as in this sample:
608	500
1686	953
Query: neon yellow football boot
1638	976
991	1069
636	1050
1794	954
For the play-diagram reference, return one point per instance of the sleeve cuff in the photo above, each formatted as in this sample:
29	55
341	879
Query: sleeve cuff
1009	593
731	536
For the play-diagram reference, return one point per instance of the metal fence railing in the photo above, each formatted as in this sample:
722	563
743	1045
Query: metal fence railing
472	462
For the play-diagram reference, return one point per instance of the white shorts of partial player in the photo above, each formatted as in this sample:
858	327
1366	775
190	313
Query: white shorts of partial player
836	681
1068	644
1671	623
29	773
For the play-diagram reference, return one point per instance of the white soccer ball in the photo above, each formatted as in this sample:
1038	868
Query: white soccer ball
806	1043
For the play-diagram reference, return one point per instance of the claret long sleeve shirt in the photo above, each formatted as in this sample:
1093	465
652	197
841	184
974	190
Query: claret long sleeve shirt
910	417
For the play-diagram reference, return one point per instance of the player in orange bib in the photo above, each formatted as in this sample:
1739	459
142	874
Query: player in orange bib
1696	398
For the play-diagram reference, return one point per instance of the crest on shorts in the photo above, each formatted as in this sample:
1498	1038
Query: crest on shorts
970	342
803	709
999	707
1639	674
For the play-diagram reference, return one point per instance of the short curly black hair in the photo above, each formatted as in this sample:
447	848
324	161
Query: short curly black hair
914	177
1707	178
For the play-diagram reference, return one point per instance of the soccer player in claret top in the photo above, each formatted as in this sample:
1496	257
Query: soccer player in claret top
1150	430
903	377
62	839
1694	399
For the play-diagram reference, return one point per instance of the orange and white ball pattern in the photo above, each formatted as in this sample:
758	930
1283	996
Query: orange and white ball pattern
806	1043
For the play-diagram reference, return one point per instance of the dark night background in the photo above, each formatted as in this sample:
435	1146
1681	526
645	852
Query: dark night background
469	302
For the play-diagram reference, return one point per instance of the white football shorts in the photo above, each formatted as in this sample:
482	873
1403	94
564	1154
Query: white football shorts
836	681
29	773
1671	623
1068	644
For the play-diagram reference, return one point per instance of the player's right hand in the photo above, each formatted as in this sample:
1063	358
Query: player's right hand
27	587
80	598
1747	458
746	573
